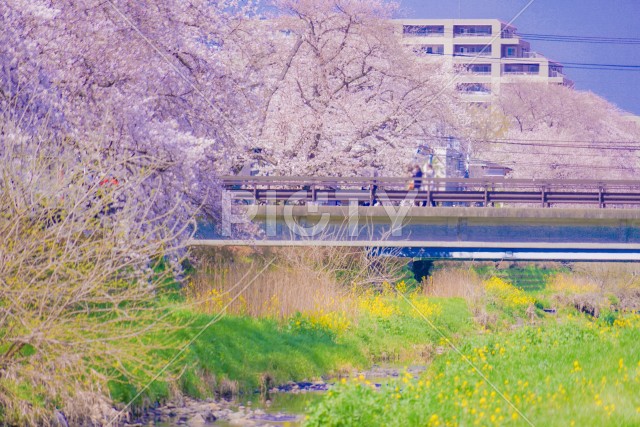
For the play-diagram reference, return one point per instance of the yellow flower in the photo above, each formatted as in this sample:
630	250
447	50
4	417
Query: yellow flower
401	287
506	294
376	306
576	367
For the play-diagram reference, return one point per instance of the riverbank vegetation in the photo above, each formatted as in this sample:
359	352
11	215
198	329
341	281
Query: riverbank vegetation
83	275
577	365
330	312
550	365
569	371
114	130
339	323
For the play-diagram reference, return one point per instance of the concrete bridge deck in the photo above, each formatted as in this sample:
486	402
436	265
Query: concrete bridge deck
449	232
431	213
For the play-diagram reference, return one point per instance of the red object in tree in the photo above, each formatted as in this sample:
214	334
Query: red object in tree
109	181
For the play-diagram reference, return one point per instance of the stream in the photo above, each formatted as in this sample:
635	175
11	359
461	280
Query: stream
285	405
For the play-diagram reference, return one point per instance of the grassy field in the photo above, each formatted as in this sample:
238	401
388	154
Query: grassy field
569	371
524	367
495	357
242	354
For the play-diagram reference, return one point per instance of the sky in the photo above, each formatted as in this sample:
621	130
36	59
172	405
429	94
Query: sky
593	18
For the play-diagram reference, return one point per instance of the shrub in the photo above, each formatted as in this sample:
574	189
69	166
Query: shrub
376	305
79	274
506	296
333	323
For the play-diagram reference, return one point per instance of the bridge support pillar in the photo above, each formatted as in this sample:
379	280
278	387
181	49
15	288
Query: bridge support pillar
421	268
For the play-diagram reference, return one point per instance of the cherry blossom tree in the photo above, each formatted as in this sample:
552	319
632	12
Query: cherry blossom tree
341	93
558	132
154	78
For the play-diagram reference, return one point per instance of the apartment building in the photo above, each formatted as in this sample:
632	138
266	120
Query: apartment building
484	53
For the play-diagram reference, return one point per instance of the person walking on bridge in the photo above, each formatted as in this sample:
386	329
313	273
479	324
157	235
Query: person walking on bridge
428	173
416	174
416	178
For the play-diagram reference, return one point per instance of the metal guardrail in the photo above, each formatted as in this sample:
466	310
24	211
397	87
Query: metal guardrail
478	191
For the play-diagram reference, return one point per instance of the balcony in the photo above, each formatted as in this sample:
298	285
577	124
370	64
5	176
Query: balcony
423	31
506	34
515	52
474	88
472	50
474	69
520	73
531	54
472	31
521	69
429	49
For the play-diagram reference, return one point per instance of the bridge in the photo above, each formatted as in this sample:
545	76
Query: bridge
478	191
479	219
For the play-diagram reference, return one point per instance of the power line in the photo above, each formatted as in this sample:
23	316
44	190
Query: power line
550	37
564	145
533	144
600	81
579	39
579	141
622	66
571	153
569	166
554	164
538	153
574	65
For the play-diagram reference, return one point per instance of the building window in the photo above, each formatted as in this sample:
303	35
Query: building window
429	50
511	51
507	34
474	88
423	30
555	71
479	50
475	68
522	69
472	31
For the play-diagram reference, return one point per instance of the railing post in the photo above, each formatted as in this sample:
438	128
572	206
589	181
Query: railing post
544	196
486	195
601	196
493	188
314	196
371	195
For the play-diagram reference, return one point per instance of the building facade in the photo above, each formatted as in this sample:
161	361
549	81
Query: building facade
484	53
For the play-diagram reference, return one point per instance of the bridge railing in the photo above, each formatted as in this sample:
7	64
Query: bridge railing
433	191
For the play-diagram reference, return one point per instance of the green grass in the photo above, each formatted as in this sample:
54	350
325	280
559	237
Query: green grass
530	278
576	372
245	350
240	349
566	370
391	339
